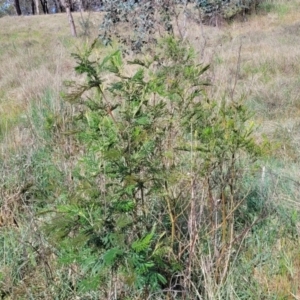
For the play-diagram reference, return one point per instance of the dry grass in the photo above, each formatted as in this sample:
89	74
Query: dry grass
282	277
34	57
259	60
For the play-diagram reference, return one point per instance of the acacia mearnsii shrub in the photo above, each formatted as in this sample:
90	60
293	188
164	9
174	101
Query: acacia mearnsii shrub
159	185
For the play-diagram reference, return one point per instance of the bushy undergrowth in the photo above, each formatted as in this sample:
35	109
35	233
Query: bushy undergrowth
159	205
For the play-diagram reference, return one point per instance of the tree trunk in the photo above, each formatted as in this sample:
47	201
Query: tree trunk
56	6
67	5
82	5
37	7
32	7
17	7
71	5
61	7
45	6
71	21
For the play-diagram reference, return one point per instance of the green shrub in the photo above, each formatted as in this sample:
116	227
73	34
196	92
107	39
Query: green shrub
160	179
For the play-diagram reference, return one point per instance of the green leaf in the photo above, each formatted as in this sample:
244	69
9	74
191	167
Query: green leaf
111	255
161	278
103	65
138	76
123	221
124	205
145	120
144	243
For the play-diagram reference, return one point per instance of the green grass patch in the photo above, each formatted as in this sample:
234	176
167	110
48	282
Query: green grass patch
281	8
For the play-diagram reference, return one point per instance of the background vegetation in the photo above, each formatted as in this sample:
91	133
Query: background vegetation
150	176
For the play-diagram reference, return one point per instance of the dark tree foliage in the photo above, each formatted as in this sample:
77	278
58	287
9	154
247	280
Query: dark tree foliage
226	8
140	13
143	19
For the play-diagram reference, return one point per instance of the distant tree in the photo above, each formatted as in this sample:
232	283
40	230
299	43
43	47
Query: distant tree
17	7
32	7
146	18
83	5
6	8
45	6
67	5
58	6
37	7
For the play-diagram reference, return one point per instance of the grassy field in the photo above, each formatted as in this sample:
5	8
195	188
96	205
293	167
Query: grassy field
257	60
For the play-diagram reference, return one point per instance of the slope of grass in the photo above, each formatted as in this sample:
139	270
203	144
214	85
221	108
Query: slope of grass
34	55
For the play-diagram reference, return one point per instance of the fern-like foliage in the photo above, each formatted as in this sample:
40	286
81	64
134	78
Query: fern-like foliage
144	243
156	153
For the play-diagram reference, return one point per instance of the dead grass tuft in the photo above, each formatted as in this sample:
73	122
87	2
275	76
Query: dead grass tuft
34	55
